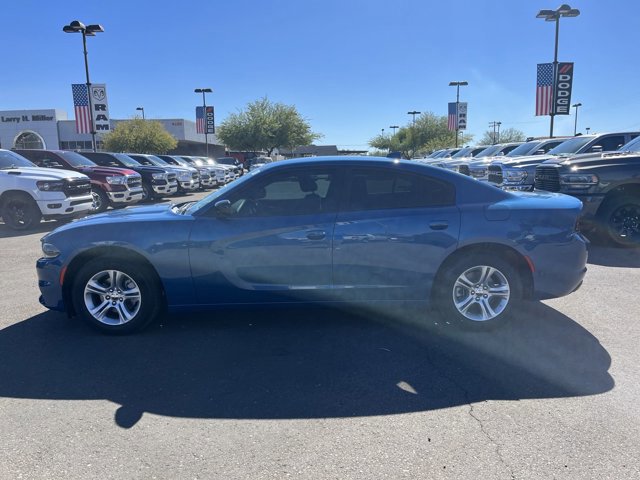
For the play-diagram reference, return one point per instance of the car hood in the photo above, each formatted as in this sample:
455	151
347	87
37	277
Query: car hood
107	171
591	160
148	169
38	173
526	160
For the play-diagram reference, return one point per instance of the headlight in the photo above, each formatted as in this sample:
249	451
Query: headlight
159	176
49	250
478	172
119	180
578	180
53	186
184	176
514	176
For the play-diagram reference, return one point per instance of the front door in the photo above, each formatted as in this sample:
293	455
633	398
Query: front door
274	245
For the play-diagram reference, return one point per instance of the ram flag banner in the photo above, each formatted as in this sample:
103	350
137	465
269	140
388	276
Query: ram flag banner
462	116
81	107
564	83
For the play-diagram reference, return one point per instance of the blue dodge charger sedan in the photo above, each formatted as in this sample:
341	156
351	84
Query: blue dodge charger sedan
327	229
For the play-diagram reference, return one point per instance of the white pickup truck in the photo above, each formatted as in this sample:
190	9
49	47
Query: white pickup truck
29	193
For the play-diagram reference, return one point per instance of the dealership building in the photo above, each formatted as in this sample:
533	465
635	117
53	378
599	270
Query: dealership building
51	129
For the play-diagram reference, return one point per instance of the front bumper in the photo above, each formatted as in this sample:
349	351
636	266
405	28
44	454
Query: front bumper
166	189
128	196
48	271
190	185
56	204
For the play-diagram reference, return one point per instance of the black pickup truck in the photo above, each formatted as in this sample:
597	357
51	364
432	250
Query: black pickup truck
608	184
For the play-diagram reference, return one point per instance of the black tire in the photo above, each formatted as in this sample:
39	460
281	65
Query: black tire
143	309
620	221
478	297
119	206
20	212
100	200
147	193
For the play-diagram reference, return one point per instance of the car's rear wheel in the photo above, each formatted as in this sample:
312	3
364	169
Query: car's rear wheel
621	219
116	296
478	291
21	212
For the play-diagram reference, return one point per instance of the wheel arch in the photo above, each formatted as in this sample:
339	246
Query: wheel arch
619	191
115	252
8	193
506	252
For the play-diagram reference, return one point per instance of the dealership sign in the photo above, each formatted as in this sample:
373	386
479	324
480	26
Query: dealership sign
563	84
100	107
462	115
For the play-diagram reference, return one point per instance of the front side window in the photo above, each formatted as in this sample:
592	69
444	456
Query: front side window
608	144
299	192
376	189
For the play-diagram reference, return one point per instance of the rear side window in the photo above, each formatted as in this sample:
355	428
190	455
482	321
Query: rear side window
378	189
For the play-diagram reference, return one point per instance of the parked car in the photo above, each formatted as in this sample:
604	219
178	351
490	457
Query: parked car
608	184
110	186
220	175
207	180
233	162
230	171
188	177
324	229
461	164
479	168
29	194
519	173
257	162
157	182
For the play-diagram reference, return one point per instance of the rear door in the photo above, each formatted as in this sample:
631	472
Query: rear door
392	232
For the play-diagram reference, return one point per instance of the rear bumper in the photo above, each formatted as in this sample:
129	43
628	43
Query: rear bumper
559	268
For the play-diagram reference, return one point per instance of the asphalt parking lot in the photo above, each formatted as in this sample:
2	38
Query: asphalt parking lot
318	393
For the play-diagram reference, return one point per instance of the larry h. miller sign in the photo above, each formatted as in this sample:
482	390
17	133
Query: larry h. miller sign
94	104
553	92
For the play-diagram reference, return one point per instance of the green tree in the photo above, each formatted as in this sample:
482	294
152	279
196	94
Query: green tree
139	136
429	133
264	125
507	135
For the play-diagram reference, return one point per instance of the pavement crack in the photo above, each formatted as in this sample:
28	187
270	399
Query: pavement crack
472	414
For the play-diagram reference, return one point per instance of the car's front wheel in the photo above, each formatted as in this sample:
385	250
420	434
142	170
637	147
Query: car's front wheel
478	291
100	200
116	296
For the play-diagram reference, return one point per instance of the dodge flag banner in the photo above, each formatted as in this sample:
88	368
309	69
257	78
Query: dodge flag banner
564	82
205	120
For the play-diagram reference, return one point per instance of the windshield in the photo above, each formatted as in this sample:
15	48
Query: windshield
76	160
465	152
157	161
524	149
489	151
632	146
219	194
570	146
10	159
126	160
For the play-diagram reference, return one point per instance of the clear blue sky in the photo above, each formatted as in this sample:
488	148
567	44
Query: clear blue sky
351	67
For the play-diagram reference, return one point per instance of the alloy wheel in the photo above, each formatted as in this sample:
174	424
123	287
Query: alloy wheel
112	297
481	293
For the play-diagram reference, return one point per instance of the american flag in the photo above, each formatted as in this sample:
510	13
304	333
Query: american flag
81	107
453	117
544	89
199	120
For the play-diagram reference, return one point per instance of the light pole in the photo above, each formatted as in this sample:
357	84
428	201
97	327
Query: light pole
575	124
498	140
413	113
495	125
204	91
141	109
87	31
394	127
563	10
458	85
587	129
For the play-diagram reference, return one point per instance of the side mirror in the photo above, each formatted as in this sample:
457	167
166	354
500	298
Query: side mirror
596	148
540	152
222	208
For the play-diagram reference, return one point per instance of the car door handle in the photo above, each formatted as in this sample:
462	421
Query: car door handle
439	225
316	235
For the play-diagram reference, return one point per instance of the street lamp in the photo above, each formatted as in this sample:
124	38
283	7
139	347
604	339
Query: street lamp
587	129
575	125
203	91
87	31
413	113
563	10
458	85
142	110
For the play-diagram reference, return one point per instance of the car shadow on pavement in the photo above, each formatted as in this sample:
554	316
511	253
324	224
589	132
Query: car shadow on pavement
42	228
300	363
609	256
